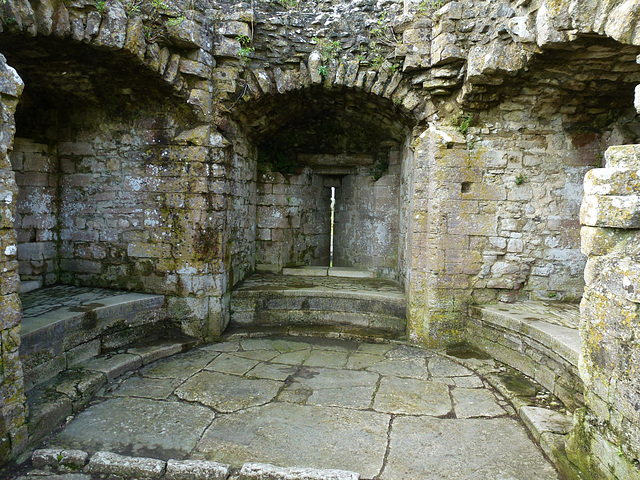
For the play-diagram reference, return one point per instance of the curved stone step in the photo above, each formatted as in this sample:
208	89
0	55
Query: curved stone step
64	326
540	339
271	300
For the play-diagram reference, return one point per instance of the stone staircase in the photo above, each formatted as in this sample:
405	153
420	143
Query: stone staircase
77	339
351	305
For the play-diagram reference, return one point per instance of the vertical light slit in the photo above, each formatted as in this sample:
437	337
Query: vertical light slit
333	210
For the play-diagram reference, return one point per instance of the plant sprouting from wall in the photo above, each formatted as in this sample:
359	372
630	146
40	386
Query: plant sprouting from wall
246	50
329	49
428	8
101	6
464	124
380	167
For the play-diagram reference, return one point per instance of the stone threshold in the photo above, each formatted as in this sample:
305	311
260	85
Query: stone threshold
344	272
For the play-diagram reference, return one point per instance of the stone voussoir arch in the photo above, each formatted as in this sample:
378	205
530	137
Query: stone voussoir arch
108	26
383	82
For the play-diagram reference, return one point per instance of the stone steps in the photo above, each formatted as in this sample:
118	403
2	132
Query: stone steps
64	326
70	391
280	300
540	339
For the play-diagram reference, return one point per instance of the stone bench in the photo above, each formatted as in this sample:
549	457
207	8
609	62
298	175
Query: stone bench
63	327
540	339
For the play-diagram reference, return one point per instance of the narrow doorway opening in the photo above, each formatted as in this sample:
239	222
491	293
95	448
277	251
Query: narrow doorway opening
333	211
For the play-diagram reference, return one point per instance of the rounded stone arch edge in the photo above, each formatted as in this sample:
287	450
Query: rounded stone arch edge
184	65
344	76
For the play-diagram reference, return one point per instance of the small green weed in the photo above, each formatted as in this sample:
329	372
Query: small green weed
159	5
322	70
101	6
465	123
329	49
430	7
246	50
520	179
172	22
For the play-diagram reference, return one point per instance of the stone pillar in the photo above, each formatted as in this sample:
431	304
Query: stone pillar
606	441
442	258
13	432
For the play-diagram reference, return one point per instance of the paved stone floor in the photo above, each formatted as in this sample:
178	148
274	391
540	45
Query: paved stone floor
388	412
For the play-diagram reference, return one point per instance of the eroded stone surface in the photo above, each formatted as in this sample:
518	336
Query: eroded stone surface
492	449
412	397
227	393
136	426
306	416
285	434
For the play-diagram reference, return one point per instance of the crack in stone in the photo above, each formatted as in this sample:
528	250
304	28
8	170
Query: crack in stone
387	450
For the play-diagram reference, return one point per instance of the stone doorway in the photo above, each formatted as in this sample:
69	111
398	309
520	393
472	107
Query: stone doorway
310	142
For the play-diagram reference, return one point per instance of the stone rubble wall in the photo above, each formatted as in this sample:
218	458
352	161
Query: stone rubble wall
608	429
13	431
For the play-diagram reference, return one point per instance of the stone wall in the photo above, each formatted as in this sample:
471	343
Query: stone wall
607	438
293	219
13	432
239	185
366	219
36	168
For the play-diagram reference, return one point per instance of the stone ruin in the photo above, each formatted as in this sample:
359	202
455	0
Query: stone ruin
175	147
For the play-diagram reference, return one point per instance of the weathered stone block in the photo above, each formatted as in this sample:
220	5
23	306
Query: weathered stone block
113	29
610	211
196	470
111	463
623	156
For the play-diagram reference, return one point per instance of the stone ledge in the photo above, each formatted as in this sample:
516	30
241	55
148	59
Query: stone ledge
126	467
53	341
546	352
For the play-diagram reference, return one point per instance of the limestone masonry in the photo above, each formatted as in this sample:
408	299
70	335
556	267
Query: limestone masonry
473	153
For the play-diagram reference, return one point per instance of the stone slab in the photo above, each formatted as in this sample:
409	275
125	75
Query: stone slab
490	449
124	466
137	426
475	402
540	420
228	393
347	272
407	368
233	364
180	366
339	388
196	470
306	271
152	388
409	396
261	471
292	435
